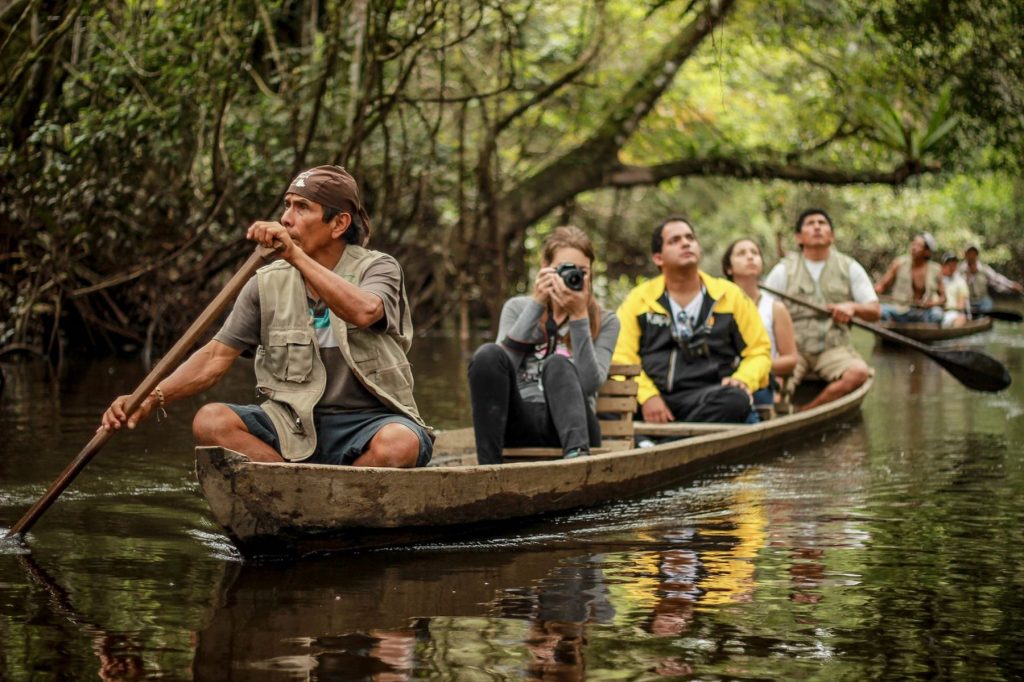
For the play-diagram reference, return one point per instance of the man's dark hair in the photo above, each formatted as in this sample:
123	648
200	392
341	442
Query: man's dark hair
656	239
812	211
354	233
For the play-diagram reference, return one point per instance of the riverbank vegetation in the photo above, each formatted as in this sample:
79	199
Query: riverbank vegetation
139	139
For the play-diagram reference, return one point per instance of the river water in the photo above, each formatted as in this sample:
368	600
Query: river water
889	547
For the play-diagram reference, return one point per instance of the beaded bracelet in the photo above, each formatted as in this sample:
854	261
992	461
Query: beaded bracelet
161	412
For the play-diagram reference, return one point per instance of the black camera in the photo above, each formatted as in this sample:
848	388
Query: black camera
697	347
572	276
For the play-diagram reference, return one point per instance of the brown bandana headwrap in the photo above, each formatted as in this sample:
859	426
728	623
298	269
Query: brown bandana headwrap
332	186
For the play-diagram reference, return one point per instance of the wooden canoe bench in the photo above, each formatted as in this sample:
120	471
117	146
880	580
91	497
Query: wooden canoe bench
616	405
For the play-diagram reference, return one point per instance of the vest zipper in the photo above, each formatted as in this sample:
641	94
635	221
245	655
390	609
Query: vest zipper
296	419
671	367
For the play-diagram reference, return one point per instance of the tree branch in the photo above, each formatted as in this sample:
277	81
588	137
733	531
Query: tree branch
584	166
637	176
554	86
42	49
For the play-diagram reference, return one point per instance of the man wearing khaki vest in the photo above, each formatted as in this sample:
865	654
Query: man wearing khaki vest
822	275
330	326
981	278
916	283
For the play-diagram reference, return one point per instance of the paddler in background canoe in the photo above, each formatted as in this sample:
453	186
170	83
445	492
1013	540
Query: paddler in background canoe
330	325
698	338
981	278
958	294
916	284
822	275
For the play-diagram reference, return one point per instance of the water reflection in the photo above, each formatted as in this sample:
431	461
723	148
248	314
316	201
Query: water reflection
374	617
119	656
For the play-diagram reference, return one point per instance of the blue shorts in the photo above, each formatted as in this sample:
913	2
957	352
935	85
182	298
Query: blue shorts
341	437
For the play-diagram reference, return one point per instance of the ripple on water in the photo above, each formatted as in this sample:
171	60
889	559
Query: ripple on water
219	546
12	545
1006	403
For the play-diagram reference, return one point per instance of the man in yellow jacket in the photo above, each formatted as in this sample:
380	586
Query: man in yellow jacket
699	339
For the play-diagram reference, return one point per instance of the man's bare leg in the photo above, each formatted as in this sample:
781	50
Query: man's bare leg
852	379
218	424
394	445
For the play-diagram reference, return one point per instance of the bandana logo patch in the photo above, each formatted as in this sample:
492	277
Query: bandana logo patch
300	181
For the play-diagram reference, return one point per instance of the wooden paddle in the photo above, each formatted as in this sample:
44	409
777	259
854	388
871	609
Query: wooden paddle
972	369
162	369
1004	314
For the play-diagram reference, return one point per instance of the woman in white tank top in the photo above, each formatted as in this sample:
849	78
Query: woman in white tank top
742	263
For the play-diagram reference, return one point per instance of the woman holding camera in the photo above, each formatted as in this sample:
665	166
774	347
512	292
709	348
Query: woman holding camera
537	387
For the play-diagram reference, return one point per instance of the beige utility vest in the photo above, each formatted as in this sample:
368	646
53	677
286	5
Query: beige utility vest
814	332
289	371
977	282
903	287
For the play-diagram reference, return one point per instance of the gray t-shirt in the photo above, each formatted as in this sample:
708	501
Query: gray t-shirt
343	392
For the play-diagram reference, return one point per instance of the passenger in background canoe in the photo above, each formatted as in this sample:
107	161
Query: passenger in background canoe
700	341
916	284
958	295
537	386
330	325
821	274
981	278
742	263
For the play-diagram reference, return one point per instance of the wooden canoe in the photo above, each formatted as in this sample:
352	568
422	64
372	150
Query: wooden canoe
301	508
927	332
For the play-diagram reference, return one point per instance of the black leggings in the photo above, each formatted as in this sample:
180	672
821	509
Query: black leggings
502	418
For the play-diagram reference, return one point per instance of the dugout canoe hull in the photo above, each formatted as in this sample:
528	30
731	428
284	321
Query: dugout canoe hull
928	333
302	508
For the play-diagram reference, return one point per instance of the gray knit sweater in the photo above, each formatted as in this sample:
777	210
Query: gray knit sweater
520	320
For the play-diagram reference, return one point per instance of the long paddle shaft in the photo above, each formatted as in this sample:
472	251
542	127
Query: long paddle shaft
1002	314
996	313
972	369
162	369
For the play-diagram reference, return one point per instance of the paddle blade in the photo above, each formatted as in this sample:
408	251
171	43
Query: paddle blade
974	370
1005	315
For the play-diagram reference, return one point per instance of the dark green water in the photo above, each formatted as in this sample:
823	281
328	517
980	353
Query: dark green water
890	548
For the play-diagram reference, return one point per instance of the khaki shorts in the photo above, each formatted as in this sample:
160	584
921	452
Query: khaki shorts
827	366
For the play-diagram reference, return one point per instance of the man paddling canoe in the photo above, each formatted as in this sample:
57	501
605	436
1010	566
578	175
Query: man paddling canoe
916	284
330	325
823	275
981	278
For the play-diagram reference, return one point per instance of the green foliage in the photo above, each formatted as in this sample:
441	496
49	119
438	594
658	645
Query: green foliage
138	145
915	132
976	49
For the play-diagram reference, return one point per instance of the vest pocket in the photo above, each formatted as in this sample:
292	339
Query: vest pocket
363	345
396	381
290	354
837	290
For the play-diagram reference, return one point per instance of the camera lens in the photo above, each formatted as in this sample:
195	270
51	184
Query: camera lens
571	275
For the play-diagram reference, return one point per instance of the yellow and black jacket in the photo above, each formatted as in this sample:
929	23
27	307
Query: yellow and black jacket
736	345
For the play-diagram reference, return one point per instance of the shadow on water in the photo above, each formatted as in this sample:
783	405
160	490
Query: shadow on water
889	547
